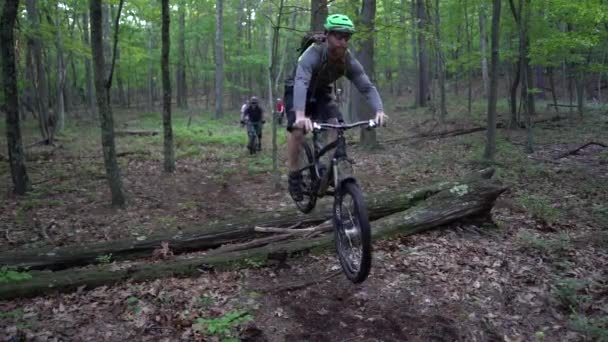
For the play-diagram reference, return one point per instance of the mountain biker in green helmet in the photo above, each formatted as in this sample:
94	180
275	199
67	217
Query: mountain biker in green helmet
308	91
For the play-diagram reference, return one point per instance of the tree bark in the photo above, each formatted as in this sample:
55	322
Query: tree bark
493	95
469	34
45	118
423	59
169	154
414	39
482	44
102	87
88	79
366	58
182	93
219	59
215	235
443	112
61	73
318	13
151	72
16	156
469	202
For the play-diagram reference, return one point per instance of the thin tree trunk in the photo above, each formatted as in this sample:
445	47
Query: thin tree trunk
366	57
285	53
46	119
182	93
423	59
151	76
519	74
88	79
599	81
401	85
274	48
580	93
219	59
61	71
414	38
16	156
552	85
493	95
482	44
440	60
167	128
468	30
103	103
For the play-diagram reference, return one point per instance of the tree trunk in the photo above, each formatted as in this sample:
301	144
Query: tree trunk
167	128
219	59
482	44
318	13
272	62
151	74
88	79
16	156
552	85
441	63
414	38
61	73
102	89
216	234
285	54
182	93
493	95
366	58
423	59
580	92
45	118
474	201
402	68
468	30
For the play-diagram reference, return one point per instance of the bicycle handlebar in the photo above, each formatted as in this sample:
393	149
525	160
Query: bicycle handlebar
324	126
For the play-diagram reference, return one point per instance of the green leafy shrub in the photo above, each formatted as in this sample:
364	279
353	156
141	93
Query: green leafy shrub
222	326
11	275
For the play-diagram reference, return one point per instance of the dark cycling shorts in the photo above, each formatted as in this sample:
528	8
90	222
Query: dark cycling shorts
322	109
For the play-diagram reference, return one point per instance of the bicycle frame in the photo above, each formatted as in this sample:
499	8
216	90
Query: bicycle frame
340	165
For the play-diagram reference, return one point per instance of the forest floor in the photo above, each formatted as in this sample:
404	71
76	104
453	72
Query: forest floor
539	274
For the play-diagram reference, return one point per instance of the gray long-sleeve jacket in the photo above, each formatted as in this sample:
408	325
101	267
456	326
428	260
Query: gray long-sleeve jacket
315	74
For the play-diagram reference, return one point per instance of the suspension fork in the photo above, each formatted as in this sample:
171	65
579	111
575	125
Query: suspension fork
341	166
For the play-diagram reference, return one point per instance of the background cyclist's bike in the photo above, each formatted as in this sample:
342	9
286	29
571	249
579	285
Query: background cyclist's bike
253	141
351	222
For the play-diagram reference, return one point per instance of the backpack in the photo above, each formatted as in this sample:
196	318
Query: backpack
309	39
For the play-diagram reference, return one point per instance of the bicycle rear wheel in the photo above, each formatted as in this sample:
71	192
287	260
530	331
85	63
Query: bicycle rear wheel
252	143
309	180
352	232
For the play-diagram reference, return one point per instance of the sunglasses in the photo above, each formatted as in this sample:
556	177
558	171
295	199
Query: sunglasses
342	35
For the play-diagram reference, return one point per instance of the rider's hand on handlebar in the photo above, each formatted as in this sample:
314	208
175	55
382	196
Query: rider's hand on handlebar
302	122
381	118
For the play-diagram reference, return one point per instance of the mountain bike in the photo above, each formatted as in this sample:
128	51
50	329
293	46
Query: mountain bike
253	142
351	223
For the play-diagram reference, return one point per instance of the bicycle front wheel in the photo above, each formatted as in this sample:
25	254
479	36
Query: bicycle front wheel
352	232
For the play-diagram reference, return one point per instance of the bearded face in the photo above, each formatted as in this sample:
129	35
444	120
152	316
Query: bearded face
337	43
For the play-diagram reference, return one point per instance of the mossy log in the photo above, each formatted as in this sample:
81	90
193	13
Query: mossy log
213	235
461	201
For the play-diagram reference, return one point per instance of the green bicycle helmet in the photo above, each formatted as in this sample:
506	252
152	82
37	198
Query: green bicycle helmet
340	23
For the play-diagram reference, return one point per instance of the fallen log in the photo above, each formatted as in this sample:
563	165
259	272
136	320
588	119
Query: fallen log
215	235
459	202
136	132
575	151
